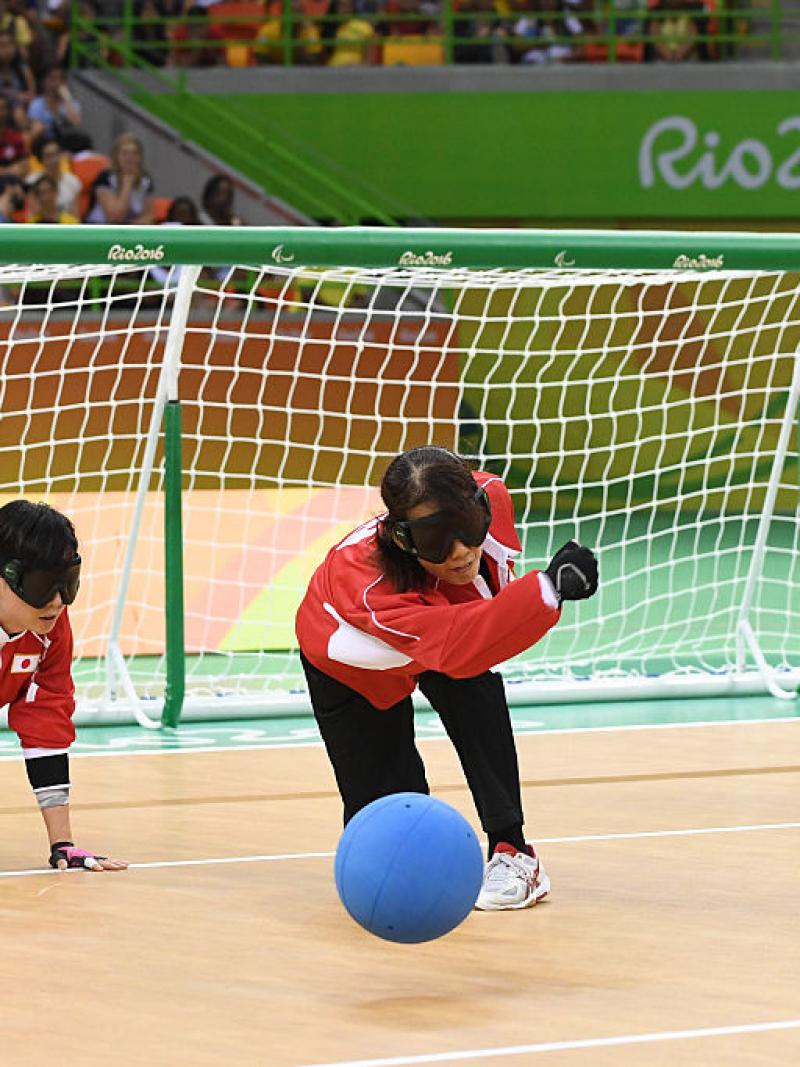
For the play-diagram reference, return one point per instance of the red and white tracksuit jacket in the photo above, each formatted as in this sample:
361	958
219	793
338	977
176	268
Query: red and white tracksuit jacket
355	626
36	683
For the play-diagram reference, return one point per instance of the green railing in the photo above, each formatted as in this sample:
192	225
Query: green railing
247	33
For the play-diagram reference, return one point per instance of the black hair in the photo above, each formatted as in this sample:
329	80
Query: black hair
7	180
181	202
430	475
45	73
36	534
212	185
41	142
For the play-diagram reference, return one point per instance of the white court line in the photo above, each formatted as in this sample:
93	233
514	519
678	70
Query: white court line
522	729
184	863
670	833
575	839
563	1046
623	728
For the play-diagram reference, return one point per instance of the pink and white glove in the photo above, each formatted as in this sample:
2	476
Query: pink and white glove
73	857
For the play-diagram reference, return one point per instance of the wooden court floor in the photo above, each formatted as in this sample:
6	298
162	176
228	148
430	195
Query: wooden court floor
672	934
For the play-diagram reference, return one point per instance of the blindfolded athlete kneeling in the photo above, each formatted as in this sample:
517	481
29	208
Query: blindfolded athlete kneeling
40	572
423	596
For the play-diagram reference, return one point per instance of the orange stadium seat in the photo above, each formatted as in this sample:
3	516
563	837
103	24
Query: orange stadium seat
413	52
627	52
239	55
86	168
161	206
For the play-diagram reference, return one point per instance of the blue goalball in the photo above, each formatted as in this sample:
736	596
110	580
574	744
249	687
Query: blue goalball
408	868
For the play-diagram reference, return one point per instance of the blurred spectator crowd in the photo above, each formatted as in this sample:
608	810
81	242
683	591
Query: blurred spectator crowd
206	33
50	171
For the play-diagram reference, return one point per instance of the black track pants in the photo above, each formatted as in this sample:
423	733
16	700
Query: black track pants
373	752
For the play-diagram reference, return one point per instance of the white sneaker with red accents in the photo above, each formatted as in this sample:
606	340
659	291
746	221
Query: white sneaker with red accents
512	880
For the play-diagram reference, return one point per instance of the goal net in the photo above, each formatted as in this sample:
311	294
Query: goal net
650	413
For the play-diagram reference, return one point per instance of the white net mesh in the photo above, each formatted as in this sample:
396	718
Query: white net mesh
639	412
80	358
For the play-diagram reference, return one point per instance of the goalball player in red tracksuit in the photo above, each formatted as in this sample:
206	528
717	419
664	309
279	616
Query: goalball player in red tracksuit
423	596
39	576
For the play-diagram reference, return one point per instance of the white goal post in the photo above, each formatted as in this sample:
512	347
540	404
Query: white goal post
215	407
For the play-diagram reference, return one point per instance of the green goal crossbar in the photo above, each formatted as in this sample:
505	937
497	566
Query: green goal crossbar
398	247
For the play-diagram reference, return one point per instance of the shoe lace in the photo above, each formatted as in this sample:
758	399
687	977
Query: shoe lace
496	872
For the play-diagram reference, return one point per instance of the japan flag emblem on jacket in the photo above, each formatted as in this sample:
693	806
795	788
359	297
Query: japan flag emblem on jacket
24	664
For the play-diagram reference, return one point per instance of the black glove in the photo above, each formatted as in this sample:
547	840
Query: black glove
573	572
73	857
